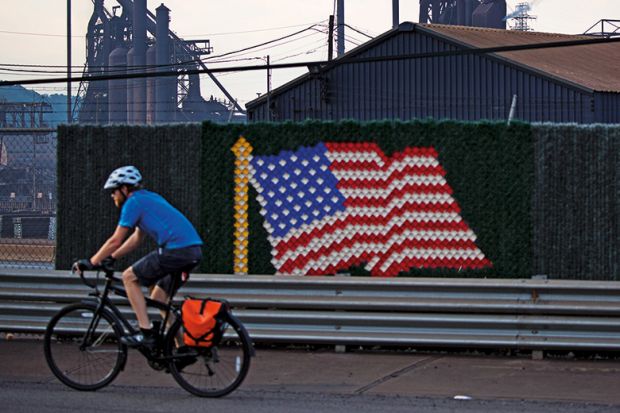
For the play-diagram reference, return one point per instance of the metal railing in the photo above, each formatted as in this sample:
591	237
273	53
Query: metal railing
414	312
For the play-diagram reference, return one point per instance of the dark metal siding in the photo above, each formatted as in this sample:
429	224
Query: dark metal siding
607	107
469	87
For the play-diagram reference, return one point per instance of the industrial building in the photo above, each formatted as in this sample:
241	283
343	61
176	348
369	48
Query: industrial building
136	41
565	84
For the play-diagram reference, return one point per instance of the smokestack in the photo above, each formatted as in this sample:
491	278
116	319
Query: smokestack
395	17
166	86
340	28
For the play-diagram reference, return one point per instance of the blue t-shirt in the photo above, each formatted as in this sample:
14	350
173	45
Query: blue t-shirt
161	221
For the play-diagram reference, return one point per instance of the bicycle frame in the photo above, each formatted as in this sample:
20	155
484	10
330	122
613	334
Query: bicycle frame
104	303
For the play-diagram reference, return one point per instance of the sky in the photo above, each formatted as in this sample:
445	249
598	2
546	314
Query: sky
34	33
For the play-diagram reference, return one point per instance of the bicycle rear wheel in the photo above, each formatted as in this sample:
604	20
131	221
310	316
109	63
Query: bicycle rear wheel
214	371
83	350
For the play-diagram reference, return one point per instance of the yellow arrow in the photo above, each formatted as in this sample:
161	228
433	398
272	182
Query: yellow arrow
243	154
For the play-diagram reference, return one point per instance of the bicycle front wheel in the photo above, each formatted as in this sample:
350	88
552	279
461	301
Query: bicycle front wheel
214	371
82	348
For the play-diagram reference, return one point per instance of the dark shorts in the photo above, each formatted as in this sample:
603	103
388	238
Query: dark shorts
160	266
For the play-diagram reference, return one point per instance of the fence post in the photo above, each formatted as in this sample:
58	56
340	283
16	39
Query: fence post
17	227
51	232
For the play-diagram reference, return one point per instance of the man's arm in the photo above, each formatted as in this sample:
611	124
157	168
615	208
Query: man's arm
130	244
112	244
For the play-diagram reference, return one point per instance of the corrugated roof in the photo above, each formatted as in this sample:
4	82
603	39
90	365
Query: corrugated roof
594	66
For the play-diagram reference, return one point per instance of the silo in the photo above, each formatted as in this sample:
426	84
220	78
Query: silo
165	85
490	14
461	9
470	6
117	88
131	85
151	93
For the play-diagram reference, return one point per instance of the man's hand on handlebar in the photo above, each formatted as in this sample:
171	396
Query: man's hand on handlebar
82	265
108	263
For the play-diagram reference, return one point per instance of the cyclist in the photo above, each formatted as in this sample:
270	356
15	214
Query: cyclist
146	213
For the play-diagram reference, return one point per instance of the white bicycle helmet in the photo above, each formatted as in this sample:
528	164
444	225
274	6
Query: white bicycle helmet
125	175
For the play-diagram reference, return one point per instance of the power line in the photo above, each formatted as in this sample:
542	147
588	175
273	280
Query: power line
323	65
359	31
186	36
209	59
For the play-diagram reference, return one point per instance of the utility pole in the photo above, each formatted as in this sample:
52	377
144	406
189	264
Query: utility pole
268	90
69	117
330	38
340	27
395	17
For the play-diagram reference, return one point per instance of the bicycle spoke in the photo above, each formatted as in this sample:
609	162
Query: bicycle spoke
79	357
218	370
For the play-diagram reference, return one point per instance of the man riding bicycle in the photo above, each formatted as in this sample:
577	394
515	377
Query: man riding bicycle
146	213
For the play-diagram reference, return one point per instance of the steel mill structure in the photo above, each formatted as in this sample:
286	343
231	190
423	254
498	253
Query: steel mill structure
131	40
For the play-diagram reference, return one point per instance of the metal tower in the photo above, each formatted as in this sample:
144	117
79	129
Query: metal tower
521	18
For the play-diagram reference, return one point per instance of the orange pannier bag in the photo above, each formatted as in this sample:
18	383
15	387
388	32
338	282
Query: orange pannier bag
202	321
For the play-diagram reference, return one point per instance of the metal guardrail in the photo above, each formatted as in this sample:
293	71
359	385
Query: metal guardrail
415	312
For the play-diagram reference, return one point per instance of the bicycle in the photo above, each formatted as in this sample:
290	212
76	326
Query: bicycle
83	348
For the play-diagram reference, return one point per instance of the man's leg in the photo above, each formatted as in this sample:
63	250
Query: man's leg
159	294
136	298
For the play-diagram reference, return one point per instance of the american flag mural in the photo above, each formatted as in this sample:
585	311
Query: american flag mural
332	206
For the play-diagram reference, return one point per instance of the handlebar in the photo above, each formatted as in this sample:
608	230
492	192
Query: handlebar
108	272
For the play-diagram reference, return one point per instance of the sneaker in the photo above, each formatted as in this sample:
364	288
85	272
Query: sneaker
138	340
183	362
